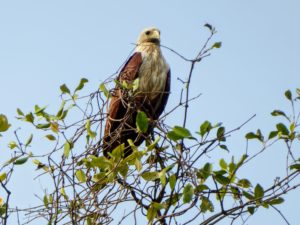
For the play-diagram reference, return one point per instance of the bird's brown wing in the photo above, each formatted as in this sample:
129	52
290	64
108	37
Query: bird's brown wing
117	110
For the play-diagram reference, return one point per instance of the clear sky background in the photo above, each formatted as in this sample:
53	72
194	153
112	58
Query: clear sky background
44	44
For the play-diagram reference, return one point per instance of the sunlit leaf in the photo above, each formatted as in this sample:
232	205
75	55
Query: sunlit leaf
172	181
150	176
188	193
104	90
54	127
223	164
205	128
91	133
67	149
4	125
3	176
151	214
142	122
12	145
179	133
80	175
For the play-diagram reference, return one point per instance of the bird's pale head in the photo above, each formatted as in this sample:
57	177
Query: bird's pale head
149	35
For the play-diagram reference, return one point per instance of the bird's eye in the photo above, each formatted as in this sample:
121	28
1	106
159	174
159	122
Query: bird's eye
148	32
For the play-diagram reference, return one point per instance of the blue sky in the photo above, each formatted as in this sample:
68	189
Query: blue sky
44	44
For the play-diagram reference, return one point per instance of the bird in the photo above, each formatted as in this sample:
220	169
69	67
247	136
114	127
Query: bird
147	68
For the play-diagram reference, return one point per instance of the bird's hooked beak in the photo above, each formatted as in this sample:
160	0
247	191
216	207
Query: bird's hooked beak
150	35
155	37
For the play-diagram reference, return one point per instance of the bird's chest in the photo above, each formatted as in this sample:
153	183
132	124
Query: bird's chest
152	75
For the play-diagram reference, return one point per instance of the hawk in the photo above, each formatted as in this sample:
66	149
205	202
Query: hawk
148	68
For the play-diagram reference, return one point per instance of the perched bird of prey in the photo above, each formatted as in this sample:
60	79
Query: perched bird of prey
149	69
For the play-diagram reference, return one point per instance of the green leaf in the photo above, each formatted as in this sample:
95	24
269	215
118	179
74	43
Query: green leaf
67	149
157	205
104	90
244	183
29	118
273	134
43	125
39	111
123	169
258	191
295	167
224	147
251	210
162	177
21	161
151	214
20	113
282	129
179	133
142	122
257	136
188	193
278	113
4	125
61	109
206	205
288	95
63	193
81	84
29	140
222	179
46	202
221	133
12	145
210	27
54	127
276	201
100	162
217	45
205	172
50	137
3	176
91	133
172	181
64	89
223	164
150	176
135	84
80	175
201	188
153	144
118	152
205	128
248	195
